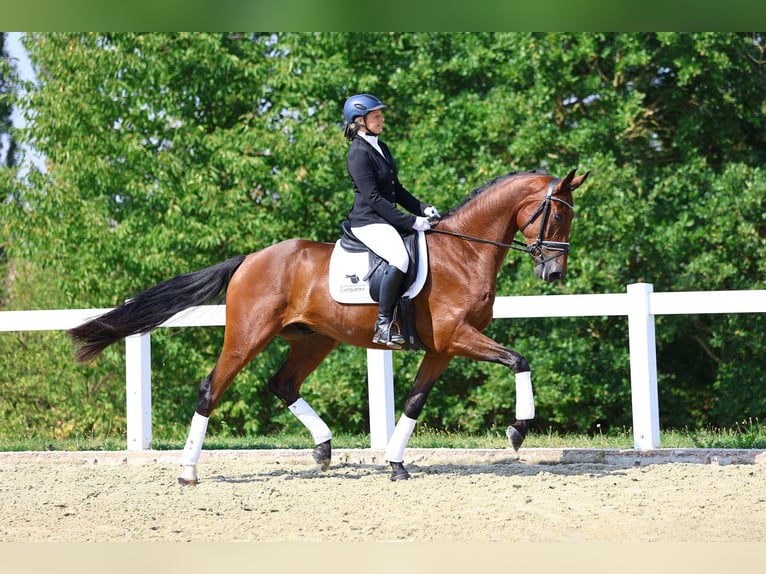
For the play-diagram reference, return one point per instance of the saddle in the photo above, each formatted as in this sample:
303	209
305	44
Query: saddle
356	272
350	243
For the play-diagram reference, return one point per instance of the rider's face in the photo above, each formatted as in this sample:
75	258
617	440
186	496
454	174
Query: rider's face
373	122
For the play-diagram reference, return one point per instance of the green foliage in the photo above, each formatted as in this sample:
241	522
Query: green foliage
8	152
170	152
42	392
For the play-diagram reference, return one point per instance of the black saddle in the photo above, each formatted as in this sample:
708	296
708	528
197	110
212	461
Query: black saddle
351	243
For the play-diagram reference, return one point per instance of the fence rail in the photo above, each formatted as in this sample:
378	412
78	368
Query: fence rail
639	304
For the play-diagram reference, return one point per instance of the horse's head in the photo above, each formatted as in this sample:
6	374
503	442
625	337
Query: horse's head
545	219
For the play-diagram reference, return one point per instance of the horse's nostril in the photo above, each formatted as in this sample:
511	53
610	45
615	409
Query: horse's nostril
555	276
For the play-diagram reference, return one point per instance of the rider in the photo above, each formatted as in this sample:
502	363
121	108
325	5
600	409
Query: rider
374	218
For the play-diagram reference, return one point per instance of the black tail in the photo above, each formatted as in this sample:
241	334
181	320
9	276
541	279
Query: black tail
148	310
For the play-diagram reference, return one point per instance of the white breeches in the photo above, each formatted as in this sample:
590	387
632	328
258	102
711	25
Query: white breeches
386	242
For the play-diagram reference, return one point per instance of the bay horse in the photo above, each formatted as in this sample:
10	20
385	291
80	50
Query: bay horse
282	290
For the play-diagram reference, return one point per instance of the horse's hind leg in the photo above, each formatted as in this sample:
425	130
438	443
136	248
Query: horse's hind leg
307	350
210	391
238	351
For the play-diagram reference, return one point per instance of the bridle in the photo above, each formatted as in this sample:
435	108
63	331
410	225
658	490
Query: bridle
535	249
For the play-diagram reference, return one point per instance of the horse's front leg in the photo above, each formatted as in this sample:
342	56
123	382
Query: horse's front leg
525	410
473	344
430	368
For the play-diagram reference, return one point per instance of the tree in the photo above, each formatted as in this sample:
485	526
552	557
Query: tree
7	147
7	141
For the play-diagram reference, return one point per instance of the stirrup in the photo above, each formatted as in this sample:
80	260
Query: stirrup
386	335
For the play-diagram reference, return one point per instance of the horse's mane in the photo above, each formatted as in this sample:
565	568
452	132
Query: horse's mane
479	190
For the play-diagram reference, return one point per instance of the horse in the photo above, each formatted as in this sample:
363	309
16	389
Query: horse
282	291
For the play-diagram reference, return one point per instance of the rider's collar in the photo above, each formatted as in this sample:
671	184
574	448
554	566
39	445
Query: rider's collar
371	139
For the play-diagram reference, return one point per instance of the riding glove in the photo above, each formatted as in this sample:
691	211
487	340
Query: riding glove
421	224
431	212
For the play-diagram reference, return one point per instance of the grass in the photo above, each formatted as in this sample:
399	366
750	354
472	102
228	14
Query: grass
749	434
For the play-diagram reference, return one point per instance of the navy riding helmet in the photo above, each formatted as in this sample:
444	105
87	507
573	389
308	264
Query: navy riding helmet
360	105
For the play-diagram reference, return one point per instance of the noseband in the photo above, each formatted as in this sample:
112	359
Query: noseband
535	249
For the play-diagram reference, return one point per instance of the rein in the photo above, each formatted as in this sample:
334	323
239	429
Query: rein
536	248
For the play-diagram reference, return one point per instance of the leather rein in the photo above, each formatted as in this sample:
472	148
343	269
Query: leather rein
535	248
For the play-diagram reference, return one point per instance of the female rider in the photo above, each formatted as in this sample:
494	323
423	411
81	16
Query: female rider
374	217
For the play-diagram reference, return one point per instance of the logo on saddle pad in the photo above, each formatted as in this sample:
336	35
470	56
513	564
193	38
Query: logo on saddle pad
349	270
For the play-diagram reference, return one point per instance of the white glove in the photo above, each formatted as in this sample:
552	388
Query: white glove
431	212
421	224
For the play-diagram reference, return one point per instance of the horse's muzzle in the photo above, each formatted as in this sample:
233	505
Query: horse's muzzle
550	271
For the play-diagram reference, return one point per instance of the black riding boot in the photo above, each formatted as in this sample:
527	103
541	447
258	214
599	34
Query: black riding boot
389	295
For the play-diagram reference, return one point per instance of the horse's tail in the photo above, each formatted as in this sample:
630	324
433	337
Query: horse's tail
148	310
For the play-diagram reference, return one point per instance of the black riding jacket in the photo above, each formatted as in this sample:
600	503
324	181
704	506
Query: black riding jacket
377	189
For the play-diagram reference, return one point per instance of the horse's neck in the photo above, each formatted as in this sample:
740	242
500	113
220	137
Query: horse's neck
491	216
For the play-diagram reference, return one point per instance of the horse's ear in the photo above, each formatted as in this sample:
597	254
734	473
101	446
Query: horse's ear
570	182
565	183
578	181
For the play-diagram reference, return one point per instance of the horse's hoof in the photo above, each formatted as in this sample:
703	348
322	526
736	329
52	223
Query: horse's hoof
187	482
515	437
398	472
189	476
323	455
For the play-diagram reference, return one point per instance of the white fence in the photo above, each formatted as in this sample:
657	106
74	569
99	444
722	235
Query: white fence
640	304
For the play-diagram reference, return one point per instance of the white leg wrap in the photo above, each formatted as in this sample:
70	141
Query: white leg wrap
194	441
399	439
525	398
317	427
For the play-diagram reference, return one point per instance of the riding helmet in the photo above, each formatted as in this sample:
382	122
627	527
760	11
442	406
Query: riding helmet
360	105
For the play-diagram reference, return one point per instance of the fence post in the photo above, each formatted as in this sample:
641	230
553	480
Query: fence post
138	391
380	385
643	367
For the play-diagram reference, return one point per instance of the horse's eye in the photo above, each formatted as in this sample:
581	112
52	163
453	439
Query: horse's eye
558	217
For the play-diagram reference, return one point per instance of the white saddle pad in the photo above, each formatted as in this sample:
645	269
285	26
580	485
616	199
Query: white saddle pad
347	271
